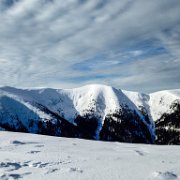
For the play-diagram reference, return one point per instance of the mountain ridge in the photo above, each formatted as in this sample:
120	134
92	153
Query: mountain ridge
99	111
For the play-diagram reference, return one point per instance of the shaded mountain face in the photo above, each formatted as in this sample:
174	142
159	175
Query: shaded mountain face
163	108
126	126
90	112
168	126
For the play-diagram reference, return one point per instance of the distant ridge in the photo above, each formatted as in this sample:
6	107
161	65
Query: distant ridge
93	112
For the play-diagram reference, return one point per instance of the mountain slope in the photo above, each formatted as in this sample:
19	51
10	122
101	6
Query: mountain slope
93	112
165	110
160	102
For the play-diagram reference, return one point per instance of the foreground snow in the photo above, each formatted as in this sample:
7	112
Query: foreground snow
30	156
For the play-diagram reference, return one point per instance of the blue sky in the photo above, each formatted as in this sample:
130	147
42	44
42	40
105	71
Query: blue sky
128	44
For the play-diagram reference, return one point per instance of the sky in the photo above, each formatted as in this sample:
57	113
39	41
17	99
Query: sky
128	44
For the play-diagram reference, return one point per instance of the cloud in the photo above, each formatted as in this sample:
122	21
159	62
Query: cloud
128	44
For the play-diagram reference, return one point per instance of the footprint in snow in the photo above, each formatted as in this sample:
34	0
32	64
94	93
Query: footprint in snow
52	170
38	165
33	152
10	166
13	176
10	176
140	153
72	169
164	175
40	145
16	142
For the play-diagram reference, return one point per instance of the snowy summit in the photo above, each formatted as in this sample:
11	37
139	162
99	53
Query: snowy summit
92	112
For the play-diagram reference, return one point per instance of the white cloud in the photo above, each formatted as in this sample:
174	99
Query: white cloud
41	40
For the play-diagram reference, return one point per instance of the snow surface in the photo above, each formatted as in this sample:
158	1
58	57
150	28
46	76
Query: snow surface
30	156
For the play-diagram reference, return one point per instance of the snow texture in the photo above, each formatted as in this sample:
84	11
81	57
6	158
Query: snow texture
30	156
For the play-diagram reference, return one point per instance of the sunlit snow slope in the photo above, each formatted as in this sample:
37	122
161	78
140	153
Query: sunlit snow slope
160	102
28	156
99	99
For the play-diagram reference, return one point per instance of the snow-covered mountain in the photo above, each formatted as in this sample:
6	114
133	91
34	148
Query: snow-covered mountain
93	112
163	108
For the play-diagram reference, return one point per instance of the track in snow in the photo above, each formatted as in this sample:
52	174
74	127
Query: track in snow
30	156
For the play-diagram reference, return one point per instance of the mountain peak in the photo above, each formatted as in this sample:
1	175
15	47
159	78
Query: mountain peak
99	111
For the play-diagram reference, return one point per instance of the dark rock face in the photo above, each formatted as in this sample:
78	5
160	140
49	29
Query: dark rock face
127	127
168	126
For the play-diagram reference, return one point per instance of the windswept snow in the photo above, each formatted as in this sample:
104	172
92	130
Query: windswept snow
29	156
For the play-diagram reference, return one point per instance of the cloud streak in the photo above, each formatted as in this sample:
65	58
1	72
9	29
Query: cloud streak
128	44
